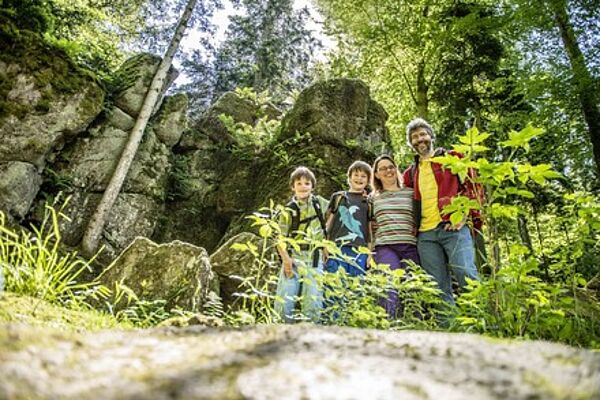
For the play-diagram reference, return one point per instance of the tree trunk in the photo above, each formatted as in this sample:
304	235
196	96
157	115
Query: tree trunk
524	233
581	75
422	89
96	224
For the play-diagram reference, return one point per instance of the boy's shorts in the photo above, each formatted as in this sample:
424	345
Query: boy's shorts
353	262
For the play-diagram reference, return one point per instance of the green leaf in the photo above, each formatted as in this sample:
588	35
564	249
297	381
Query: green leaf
473	137
265	231
522	138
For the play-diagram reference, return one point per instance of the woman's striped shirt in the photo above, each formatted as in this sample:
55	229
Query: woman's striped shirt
394	221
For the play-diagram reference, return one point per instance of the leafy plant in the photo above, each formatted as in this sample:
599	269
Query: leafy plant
35	264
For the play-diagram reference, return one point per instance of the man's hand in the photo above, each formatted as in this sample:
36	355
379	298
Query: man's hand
288	270
456	227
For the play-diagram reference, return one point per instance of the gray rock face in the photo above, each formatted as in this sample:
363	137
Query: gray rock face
137	74
211	127
132	215
45	102
291	362
231	265
92	159
35	136
172	119
340	110
217	185
19	183
177	272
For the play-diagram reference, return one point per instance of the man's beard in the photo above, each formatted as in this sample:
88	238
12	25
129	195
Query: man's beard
424	148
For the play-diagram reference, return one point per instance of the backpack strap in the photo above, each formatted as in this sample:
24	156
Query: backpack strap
319	212
337	200
297	222
295	215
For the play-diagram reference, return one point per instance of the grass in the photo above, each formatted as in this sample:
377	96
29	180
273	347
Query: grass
36	312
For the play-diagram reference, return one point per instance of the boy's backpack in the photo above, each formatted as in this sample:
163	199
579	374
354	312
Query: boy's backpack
296	222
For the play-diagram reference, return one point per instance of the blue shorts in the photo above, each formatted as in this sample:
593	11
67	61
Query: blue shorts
353	262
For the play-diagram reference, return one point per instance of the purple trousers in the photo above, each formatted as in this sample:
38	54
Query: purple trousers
395	255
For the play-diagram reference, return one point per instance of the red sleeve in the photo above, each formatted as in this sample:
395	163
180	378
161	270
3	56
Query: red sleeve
407	178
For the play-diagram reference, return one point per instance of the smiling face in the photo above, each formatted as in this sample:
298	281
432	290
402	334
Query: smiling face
387	173
358	181
421	141
302	188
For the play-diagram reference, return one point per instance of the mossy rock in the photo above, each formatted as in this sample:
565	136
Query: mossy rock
45	99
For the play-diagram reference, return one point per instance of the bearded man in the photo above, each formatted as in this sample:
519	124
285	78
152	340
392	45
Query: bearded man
443	247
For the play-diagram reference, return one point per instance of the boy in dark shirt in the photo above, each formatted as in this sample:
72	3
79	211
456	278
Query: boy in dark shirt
348	222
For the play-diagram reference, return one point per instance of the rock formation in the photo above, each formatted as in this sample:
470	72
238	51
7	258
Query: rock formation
45	102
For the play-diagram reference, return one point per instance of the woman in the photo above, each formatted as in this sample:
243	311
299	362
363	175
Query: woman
393	224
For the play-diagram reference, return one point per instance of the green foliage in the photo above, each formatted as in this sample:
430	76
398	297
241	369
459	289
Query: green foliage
524	297
35	265
517	303
256	137
356	298
355	301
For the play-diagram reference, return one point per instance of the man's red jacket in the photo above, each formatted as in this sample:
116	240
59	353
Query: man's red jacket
449	186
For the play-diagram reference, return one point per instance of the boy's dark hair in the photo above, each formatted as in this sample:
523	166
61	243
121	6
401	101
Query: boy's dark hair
376	182
416	124
360	166
303	172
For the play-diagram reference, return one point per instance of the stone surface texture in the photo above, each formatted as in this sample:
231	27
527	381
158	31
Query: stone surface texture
177	272
291	362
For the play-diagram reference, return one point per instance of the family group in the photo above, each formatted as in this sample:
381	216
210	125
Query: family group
398	216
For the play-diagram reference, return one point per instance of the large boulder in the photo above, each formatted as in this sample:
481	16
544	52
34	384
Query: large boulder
45	100
19	184
217	185
288	361
235	264
177	272
339	110
135	77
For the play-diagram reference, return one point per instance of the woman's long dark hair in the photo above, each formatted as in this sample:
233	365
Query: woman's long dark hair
376	182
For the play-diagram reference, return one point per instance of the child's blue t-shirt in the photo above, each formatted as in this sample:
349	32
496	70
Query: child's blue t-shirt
350	224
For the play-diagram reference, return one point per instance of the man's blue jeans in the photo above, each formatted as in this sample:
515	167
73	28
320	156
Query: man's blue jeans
305	283
443	251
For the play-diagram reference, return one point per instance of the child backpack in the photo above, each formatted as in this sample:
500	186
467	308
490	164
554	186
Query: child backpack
296	222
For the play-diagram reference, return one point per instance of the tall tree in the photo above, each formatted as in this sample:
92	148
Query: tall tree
267	47
96	224
583	81
419	56
558	62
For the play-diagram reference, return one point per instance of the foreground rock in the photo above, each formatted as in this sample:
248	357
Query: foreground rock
235	264
177	272
292	362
